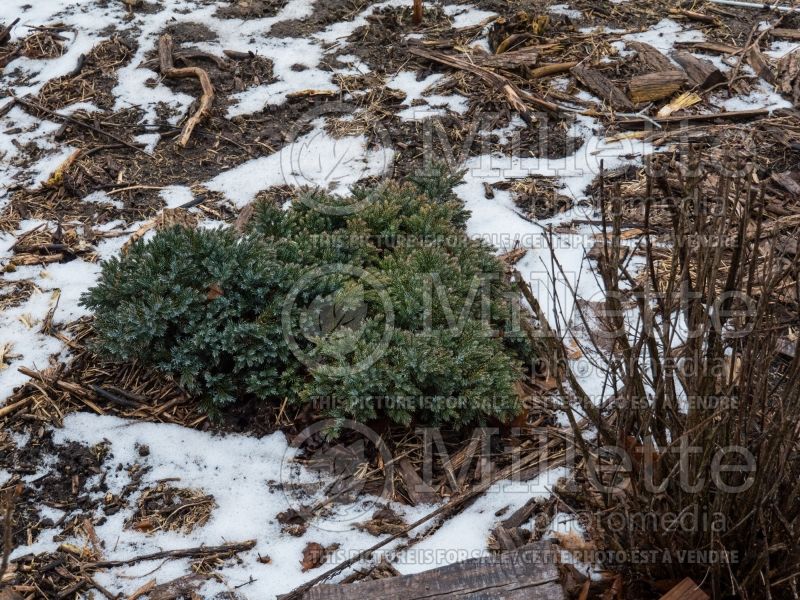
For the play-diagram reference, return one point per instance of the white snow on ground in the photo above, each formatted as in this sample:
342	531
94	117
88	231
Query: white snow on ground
466	15
315	159
284	53
415	90
241	473
20	127
101	197
563	9
237	470
499	222
59	286
763	97
663	36
176	195
781	48
464	536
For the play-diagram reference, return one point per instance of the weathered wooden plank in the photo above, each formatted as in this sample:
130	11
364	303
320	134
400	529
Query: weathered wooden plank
701	72
529	573
602	87
685	590
655	86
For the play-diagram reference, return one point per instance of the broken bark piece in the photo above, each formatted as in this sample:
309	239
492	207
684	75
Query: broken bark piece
650	58
787	347
504	539
384	521
759	64
165	48
655	86
701	72
602	87
512	257
310	94
238	55
788	82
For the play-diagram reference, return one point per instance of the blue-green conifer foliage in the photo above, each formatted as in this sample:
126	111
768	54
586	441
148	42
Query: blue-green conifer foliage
209	307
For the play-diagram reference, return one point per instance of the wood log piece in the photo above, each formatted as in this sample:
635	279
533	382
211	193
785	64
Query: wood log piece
787	182
788	79
602	87
655	86
701	72
651	58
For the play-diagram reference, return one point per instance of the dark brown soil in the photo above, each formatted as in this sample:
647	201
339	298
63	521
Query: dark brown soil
324	13
184	33
250	9
62	482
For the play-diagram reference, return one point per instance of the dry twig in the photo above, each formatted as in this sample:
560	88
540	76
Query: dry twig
165	48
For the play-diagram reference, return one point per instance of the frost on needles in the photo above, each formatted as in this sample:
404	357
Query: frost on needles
210	308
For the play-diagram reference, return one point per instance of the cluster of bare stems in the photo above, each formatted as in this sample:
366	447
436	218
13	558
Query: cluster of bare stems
701	321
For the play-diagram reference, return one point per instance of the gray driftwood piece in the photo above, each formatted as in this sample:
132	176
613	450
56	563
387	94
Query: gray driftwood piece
529	573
